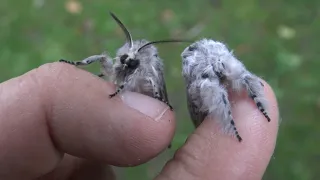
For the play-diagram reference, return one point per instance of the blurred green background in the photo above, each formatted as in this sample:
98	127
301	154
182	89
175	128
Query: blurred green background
276	39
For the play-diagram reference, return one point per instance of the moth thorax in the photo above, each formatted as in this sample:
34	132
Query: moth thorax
131	55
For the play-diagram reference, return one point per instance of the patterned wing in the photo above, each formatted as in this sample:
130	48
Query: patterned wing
162	83
194	104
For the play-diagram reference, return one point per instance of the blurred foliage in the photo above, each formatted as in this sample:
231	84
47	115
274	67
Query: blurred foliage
276	39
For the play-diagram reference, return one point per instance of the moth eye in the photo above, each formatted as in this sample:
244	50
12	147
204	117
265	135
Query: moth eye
205	75
133	63
123	58
192	48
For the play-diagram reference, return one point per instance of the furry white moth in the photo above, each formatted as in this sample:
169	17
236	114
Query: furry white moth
209	69
137	67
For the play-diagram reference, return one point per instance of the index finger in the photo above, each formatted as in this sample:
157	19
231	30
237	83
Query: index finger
210	154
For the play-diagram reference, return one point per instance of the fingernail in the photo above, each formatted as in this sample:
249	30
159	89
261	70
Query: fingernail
145	104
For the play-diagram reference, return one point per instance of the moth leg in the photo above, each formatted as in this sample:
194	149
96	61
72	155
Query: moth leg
227	114
119	89
156	94
100	75
85	61
122	86
215	102
255	91
106	66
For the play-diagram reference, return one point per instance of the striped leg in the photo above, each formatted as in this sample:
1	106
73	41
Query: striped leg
215	102
255	91
230	117
86	61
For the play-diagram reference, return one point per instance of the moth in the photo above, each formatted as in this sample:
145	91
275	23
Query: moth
137	66
209	69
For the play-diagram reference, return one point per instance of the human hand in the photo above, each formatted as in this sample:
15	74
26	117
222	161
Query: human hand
58	109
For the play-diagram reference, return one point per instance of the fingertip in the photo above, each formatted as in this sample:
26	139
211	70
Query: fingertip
249	158
152	131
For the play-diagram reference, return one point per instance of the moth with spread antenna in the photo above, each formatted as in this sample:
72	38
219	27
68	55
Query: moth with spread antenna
137	66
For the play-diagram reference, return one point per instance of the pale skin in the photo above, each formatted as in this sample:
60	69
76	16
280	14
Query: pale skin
58	108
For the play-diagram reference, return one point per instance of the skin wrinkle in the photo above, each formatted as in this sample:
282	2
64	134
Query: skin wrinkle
44	99
63	170
27	90
173	166
203	150
183	156
183	160
45	95
60	76
44	75
166	176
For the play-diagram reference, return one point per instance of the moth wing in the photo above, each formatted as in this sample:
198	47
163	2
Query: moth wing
158	69
194	103
162	85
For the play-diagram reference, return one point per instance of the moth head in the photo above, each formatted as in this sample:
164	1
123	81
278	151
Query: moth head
129	61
